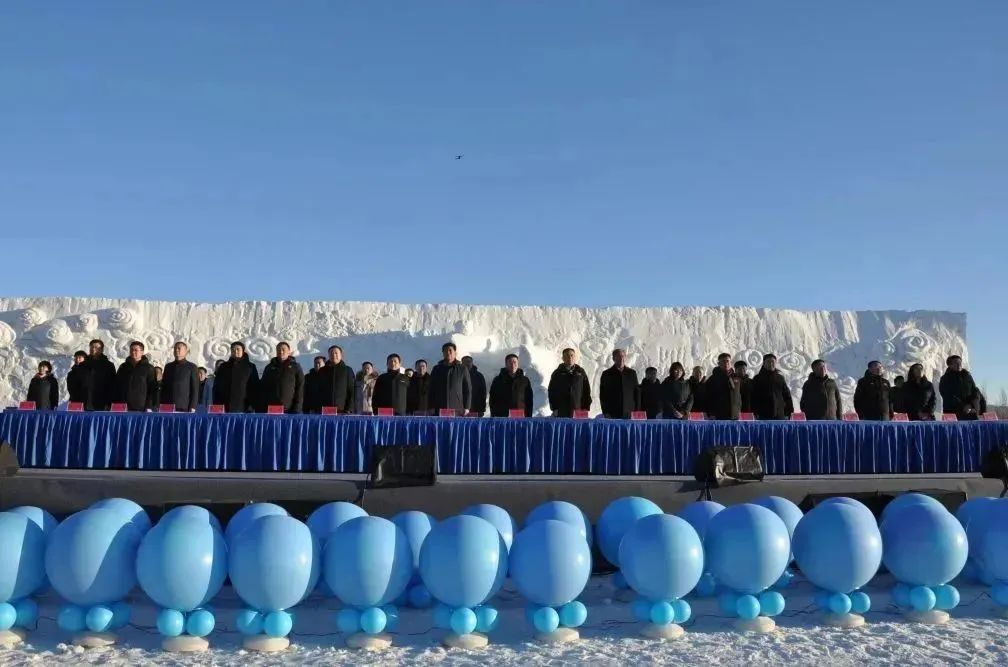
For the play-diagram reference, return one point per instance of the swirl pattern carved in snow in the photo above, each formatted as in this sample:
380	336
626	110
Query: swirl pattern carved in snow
260	349
121	319
912	344
86	323
752	357
56	333
217	348
29	318
793	361
7	334
159	339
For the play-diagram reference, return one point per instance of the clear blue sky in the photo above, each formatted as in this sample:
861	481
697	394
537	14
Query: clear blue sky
790	154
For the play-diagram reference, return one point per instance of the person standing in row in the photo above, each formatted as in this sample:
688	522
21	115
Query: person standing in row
364	384
771	397
722	399
619	390
918	395
450	387
43	389
510	390
479	387
820	400
569	389
312	396
419	389
99	378
282	382
698	383
744	385
959	392
333	383
236	382
651	393
136	384
677	394
76	380
391	389
896	395
871	397
180	384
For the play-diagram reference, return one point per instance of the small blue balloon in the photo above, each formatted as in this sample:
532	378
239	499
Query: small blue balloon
546	620
463	621
727	602
71	618
486	619
248	515
121	612
442	616
839	603
568	513
707	585
784	580
641	609
573	614
788	512
616	519
420	597
662	613
901	595
44	520
127	511
498	517
391	617
415	526
26	612
171	622
99	618
550	563
838	547
324	521
699	514
274	563
946	597
278	624
373	620
367	562
771	603
821	598
463	561
922	598
182	563
999	592
860	602
747	548
906	500
249	622
348	620
8	616
661	557
682	610
22	567
200	623
193	512
747	607
923	545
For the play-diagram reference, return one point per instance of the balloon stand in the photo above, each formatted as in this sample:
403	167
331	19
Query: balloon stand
367	642
184	644
663	631
558	636
930	617
94	639
848	620
468	641
11	638
760	624
926	604
266	644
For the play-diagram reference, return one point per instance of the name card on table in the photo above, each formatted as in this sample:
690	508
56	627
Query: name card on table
26	405
900	417
75	407
386	412
798	417
580	414
747	417
696	416
118	407
949	417
274	410
989	417
638	415
516	414
851	417
216	409
330	410
166	407
447	412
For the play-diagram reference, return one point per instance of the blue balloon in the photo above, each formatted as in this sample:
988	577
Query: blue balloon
348	620
560	510
907	499
324	521
550	563
415	525
200	623
747	606
121	613
8	616
249	622
682	610
47	522
662	613
498	517
747	548
91	557
771	603
641	609
463	621
171	622
839	603
617	518
860	602
788	512
420	597
573	614
486	619
922	598
22	565
442	616
699	514
946	597
182	563
278	623
901	594
661	557
99	618
26	612
463	561
373	620
992	542
248	515
838	547
127	511
71	618
193	512
546	620
727	601
707	585
923	544
974	516
274	563
367	562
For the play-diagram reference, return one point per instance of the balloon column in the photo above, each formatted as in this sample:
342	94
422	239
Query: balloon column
415	525
993	556
974	515
498	517
560	510
550	565
662	558
698	515
790	514
463	563
22	571
615	521
324	521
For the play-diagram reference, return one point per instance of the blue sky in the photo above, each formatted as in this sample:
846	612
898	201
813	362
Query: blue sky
786	154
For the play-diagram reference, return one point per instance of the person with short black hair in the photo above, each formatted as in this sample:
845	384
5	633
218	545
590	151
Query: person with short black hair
677	394
364	385
417	399
744	384
820	399
619	390
333	383
478	404
896	394
569	389
136	385
43	389
282	382
918	395
510	390
450	386
697	383
312	391
959	392
871	397
76	378
180	381
722	399
236	382
391	389
651	393
99	378
771	396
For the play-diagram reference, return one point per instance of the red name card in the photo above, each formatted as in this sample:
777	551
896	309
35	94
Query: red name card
274	410
638	415
118	407
26	405
386	412
166	407
75	407
447	412
696	416
949	417
516	414
989	417
746	417
330	410
798	417
216	409
900	417
851	417
580	414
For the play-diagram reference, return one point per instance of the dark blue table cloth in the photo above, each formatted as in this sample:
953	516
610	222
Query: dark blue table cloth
314	443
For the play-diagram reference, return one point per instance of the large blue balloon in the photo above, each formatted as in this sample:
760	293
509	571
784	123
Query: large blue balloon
550	562
905	499
973	516
498	517
788	512
463	561
616	520
47	522
127	510
193	512
850	502
662	557
699	514
22	556
992	559
248	515
182	562
367	562
838	547
561	510
415	525
274	563
923	544
747	548
91	557
324	521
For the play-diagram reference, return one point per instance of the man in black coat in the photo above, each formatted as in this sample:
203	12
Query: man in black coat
896	394
99	378
312	396
569	389
698	383
135	383
959	392
76	380
236	382
180	385
479	387
282	382
510	390
450	387
335	383
391	389
619	390
744	384
651	393
871	397
820	398
419	388
771	397
722	399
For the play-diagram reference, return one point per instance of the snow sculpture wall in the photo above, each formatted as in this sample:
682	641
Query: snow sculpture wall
53	328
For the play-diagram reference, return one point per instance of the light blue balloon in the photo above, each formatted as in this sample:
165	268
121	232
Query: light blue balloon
641	609
699	514
463	621
906	499
546	620
850	502
682	610
415	525
617	518
91	557
71	618
200	623
573	614
662	613
560	510
747	606
26	612
22	556
420	597
248	515
922	598
999	593
182	562
838	547
274	563
278	623
839	603
193	512
973	515
442	616
727	601
923	545
324	521
367	562
486	619
788	512
121	613
707	585
127	510
860	602
550	563
946	597
746	548
249	622
771	603
991	538
8	616
373	620
44	520
171	622
901	594
99	618
661	557
463	561
498	517
348	620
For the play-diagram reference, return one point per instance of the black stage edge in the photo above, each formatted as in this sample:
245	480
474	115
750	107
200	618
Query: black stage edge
65	491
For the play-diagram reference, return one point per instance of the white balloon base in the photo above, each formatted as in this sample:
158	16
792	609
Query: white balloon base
94	639
366	642
266	644
760	624
470	641
558	636
11	638
843	620
933	617
184	644
662	632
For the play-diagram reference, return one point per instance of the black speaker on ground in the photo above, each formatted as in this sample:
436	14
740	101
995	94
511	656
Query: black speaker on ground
995	464
723	466
9	465
394	466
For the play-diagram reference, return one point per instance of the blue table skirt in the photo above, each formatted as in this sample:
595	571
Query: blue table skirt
313	443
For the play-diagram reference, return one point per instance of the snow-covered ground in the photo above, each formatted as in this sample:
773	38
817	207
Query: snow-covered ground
975	635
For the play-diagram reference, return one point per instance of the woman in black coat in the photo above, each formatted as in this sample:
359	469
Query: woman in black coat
43	389
677	394
917	396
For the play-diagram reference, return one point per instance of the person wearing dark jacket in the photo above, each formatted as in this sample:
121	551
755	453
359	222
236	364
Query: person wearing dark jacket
99	378
677	394
959	392
697	383
419	388
569	389
282	382
722	399
312	395
771	397
180	384
450	387
43	390
136	385
335	383
236	382
871	397
619	390
896	394
75	379
479	387
820	398
651	393
744	384
391	389
918	395
510	390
